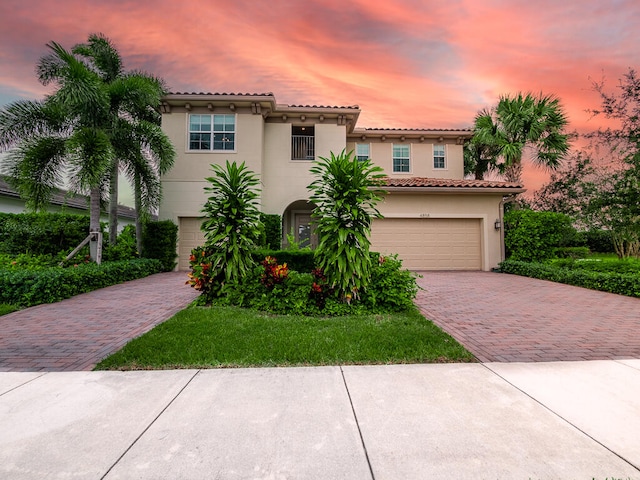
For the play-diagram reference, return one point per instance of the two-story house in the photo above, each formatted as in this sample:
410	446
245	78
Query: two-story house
433	218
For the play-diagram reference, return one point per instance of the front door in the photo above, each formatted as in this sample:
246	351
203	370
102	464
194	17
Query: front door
304	231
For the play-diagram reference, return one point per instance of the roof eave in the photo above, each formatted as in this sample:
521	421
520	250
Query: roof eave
470	190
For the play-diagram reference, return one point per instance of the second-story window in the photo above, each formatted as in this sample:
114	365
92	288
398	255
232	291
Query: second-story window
302	143
401	159
439	160
362	152
212	132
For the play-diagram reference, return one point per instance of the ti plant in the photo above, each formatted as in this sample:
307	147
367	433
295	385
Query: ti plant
345	192
232	226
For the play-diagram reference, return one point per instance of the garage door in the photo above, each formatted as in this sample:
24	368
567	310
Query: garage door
430	243
189	237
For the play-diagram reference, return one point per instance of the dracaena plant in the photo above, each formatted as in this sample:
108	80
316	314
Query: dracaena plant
345	192
232	224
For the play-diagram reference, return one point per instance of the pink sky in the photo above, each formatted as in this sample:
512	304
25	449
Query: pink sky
406	63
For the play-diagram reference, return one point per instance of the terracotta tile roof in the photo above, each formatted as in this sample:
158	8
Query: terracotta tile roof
466	130
224	94
421	182
355	107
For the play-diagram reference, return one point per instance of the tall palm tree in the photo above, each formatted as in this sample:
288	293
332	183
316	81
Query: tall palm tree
98	118
524	121
142	150
61	135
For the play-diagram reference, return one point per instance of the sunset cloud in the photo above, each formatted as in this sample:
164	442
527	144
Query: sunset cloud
406	63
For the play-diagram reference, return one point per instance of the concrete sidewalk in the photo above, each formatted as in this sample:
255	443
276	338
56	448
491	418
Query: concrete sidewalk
538	421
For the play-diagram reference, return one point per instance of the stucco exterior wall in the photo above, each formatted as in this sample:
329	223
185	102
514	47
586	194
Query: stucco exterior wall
421	158
285	181
183	186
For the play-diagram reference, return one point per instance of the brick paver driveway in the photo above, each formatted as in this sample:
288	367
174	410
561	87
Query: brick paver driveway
508	318
78	332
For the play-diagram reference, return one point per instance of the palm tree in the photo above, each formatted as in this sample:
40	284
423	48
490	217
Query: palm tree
98	118
480	158
524	121
59	136
141	149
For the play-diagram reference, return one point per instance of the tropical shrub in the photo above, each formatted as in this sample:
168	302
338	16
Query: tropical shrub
532	236
232	225
345	192
273	274
392	288
272	287
125	247
159	241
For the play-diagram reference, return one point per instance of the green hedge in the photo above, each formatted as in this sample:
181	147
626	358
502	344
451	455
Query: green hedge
621	283
298	260
33	287
532	236
160	240
41	233
272	230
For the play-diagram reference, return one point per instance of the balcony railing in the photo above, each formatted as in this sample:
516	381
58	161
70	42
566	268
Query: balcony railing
302	147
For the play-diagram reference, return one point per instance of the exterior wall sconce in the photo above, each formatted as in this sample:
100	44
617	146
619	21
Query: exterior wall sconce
497	225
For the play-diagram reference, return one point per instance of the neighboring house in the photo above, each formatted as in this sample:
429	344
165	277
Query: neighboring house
10	202
434	219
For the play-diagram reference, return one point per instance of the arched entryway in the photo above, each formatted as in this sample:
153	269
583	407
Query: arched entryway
297	224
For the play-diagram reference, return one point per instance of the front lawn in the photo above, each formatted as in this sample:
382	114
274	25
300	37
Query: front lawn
200	337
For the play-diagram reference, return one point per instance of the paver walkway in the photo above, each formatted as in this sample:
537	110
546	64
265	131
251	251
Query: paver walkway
508	318
76	333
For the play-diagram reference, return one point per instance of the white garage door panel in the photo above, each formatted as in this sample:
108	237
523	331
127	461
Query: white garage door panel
189	237
430	243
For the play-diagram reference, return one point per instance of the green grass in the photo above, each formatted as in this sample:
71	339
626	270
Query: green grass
201	337
7	308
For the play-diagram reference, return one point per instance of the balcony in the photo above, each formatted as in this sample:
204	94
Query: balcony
302	147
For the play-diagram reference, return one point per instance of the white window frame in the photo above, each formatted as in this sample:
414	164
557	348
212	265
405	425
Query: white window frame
362	156
212	132
402	158
440	159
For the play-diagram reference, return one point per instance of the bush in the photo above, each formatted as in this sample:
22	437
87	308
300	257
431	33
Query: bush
571	252
272	237
41	233
272	287
26	288
532	236
232	225
125	247
600	241
159	241
298	260
345	192
28	262
621	283
392	288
